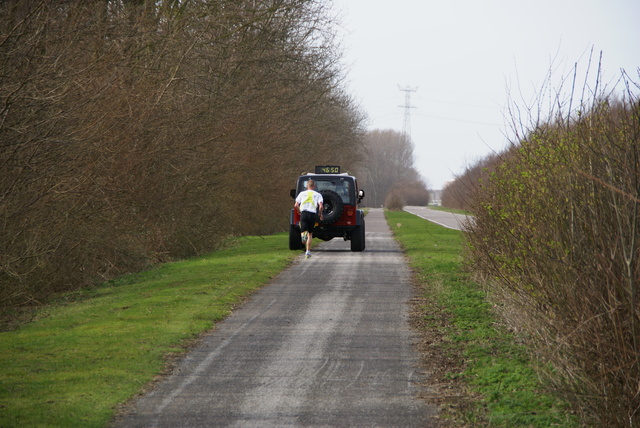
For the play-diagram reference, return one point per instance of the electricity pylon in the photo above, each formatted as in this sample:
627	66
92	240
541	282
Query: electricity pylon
406	126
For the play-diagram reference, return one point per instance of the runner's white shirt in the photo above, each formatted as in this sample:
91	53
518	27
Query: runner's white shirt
309	200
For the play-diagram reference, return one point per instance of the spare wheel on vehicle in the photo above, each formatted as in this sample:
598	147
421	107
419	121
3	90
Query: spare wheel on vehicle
333	206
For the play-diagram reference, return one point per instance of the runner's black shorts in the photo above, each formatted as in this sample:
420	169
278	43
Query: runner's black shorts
307	221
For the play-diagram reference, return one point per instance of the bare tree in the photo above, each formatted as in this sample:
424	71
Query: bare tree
132	131
389	162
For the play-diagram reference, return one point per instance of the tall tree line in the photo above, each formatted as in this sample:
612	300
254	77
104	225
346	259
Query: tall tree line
133	131
388	173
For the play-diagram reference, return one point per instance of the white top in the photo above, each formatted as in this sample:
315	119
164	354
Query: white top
309	200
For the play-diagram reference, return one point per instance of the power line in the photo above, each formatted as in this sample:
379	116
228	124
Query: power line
460	120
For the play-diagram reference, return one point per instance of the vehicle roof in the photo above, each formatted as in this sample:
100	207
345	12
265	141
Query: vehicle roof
312	174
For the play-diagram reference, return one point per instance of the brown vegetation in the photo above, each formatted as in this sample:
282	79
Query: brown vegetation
388	173
134	131
459	194
556	238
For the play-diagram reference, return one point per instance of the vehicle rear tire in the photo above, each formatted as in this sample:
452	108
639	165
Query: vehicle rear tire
332	206
357	238
295	240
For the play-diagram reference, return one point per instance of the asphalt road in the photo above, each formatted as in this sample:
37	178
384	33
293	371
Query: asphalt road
443	218
327	343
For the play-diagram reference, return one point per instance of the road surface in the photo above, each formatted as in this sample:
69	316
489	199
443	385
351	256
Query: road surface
327	343
443	218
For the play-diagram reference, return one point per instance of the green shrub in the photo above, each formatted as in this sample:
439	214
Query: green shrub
557	239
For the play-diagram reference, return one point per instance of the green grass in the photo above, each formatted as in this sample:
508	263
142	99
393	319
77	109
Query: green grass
93	350
502	387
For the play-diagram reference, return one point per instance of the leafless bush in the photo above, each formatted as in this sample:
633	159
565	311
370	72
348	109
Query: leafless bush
556	237
407	193
459	193
136	131
394	201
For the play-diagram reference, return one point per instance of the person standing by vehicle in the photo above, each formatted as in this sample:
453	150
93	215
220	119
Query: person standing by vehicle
310	204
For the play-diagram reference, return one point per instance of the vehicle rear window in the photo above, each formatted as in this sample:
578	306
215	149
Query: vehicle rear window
343	186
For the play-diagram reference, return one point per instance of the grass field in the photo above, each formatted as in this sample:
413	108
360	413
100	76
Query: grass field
93	350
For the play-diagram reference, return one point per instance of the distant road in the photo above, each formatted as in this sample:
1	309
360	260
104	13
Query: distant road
327	343
443	218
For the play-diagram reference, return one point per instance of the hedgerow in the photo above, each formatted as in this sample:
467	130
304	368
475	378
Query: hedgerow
556	239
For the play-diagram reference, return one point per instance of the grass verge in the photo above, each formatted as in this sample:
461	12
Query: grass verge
93	350
481	374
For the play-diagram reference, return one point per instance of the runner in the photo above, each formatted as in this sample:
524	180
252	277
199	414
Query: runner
309	203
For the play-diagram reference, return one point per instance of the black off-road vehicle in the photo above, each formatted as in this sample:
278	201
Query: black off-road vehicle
341	216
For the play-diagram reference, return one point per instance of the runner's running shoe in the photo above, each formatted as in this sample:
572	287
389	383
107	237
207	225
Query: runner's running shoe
305	237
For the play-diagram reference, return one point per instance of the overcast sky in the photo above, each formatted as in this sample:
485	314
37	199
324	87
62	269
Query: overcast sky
463	57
